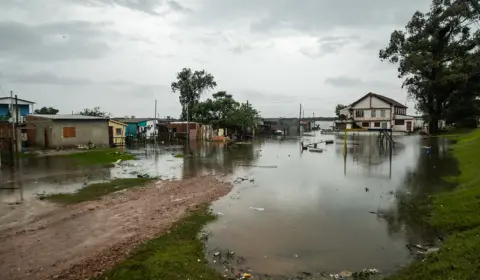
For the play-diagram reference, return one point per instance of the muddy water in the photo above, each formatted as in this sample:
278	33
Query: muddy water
316	206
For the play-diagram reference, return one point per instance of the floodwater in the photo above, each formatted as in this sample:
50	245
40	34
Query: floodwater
318	208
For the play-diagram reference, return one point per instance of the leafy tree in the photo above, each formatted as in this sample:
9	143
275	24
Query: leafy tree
95	112
46	111
244	115
437	56
338	108
191	85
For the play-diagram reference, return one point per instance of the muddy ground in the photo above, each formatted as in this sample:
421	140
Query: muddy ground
83	240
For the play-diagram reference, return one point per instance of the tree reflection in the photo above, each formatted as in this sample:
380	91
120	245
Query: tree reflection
209	157
413	198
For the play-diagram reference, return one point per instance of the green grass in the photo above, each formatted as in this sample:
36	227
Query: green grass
179	156
95	191
173	255
102	156
26	155
457	214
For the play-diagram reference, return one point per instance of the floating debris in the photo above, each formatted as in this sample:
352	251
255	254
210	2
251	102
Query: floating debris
260	166
257	209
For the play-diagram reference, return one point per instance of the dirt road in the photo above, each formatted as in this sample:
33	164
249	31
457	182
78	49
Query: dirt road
81	241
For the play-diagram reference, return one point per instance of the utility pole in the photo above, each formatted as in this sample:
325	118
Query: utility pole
16	121
12	134
155	125
299	120
188	128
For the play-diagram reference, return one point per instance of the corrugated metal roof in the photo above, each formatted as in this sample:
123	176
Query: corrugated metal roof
67	117
135	120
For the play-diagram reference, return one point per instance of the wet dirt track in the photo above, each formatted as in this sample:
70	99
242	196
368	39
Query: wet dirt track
81	241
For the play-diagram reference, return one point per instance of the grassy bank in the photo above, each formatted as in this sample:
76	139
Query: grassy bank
178	254
101	156
457	214
95	191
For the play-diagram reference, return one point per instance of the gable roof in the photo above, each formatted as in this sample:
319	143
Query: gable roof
136	120
67	117
117	122
381	97
13	99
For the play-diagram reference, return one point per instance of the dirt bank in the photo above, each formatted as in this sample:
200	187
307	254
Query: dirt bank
82	240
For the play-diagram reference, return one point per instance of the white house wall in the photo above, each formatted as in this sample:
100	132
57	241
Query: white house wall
371	102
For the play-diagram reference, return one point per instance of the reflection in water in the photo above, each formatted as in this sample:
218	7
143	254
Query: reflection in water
316	211
317	206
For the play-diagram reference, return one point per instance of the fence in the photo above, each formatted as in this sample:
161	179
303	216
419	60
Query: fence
6	145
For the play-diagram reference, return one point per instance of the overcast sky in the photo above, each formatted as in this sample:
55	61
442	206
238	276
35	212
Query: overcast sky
121	55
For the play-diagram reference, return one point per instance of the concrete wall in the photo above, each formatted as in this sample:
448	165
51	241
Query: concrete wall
94	131
118	138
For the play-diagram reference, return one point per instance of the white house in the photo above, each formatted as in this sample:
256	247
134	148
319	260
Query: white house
376	111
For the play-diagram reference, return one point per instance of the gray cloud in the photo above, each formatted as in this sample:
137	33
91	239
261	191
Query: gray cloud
328	44
241	48
53	41
152	7
307	15
348	82
344	82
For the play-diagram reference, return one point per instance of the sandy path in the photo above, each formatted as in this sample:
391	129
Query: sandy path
80	241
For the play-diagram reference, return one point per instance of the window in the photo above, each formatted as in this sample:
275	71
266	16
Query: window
376	124
383	113
399	122
384	125
118	131
69	132
366	124
374	113
359	113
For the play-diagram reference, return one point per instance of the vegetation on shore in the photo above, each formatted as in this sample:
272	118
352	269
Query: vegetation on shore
177	254
100	156
97	190
455	213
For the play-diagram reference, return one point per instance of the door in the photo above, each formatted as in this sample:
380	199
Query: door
110	135
384	125
47	141
409	126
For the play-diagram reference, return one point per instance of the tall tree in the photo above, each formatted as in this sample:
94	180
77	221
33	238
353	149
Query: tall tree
338	108
434	55
191	85
46	111
95	112
244	116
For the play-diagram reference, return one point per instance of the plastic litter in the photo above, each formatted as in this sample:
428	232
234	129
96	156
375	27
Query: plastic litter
257	209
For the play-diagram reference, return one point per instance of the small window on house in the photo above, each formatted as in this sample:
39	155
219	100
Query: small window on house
399	122
376	124
359	113
374	113
383	113
118	131
366	124
69	132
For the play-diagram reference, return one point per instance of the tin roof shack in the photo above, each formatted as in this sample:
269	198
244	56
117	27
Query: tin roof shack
179	129
66	131
139	128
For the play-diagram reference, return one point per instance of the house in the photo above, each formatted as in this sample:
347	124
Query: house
290	126
375	111
179	129
117	132
9	109
139	127
66	131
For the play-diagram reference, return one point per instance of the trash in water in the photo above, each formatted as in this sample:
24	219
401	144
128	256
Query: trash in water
345	273
365	273
262	166
220	214
244	275
216	254
235	196
143	176
296	256
258	209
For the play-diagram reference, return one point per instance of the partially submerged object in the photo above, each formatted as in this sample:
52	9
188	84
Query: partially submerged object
328	141
316	150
